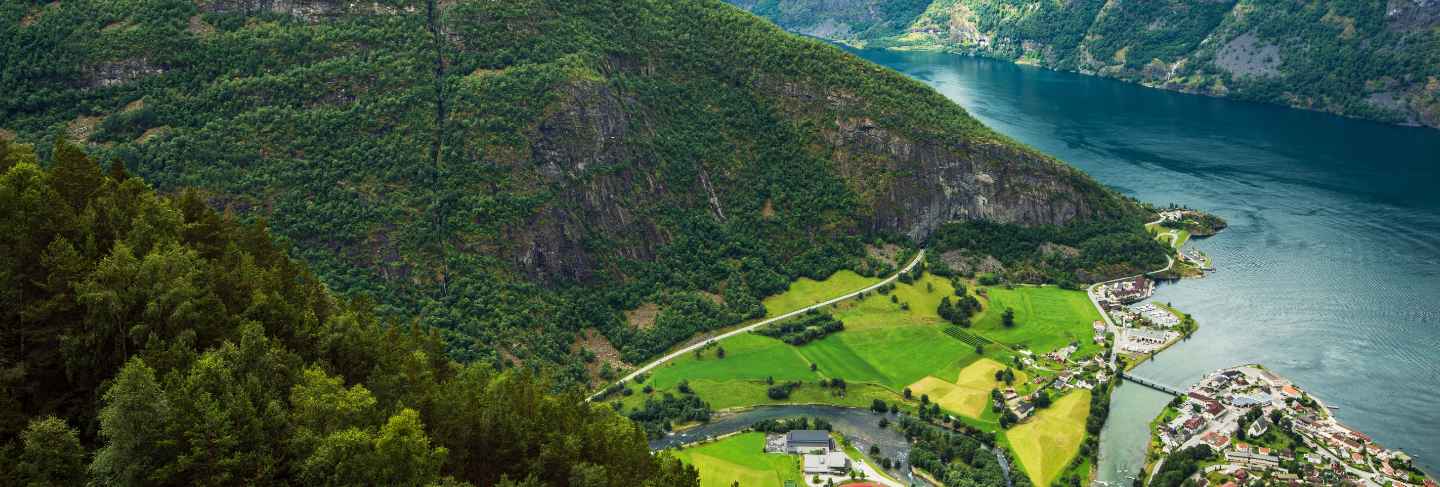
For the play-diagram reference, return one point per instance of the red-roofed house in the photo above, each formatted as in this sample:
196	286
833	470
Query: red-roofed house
1216	441
1193	424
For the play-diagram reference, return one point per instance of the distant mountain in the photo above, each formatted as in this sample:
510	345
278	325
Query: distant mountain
519	172
1361	58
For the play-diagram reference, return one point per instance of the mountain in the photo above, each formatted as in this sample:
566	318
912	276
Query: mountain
520	173
1368	59
149	340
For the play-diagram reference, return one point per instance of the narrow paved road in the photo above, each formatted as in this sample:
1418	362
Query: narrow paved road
676	354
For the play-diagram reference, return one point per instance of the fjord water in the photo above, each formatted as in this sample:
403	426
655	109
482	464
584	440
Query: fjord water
1329	273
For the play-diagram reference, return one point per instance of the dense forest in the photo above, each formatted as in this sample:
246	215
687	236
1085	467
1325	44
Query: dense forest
957	460
1067	255
150	340
1363	58
519	174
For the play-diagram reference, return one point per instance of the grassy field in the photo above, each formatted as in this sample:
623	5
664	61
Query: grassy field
1047	442
1163	234
1047	318
741	458
884	348
805	291
969	395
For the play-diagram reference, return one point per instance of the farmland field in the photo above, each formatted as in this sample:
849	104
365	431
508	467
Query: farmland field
1047	442
969	395
740	458
1047	318
884	348
805	291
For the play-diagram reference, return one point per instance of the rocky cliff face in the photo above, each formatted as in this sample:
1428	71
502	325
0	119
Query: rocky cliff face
1377	60
905	184
915	186
308	10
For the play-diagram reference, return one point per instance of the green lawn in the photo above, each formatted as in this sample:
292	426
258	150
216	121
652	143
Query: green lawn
741	458
1047	318
1163	234
805	291
747	356
894	356
1047	442
1184	236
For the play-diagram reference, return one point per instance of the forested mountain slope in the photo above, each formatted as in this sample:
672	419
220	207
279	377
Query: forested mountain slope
147	340
1363	58
516	172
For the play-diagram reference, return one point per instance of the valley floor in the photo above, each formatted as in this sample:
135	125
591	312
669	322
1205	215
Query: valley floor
894	342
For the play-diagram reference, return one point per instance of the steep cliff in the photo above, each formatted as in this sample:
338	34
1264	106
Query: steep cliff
515	172
1368	59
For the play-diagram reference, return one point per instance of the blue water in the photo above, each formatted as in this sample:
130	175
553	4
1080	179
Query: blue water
1329	273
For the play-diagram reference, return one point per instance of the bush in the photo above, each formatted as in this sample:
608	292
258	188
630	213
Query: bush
782	391
801	330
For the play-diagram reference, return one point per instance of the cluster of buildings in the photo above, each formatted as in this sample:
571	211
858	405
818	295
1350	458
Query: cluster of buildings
1143	329
1082	374
1155	315
1140	341
1116	294
1307	447
1172	215
1143	315
817	450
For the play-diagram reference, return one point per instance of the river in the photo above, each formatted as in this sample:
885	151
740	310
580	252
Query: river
1329	273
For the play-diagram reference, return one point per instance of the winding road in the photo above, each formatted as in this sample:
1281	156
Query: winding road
676	354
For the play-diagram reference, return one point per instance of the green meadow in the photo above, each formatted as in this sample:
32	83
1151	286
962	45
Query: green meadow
805	291
891	341
884	348
741	458
1047	318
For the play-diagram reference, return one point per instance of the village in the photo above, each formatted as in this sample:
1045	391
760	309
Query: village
1255	428
1139	330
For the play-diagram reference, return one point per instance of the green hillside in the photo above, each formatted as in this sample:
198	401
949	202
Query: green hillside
149	340
517	173
1368	59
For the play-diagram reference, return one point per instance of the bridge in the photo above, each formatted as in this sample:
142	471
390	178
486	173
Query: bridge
1152	384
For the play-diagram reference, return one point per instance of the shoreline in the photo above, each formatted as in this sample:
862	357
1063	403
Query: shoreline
975	53
1279	432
